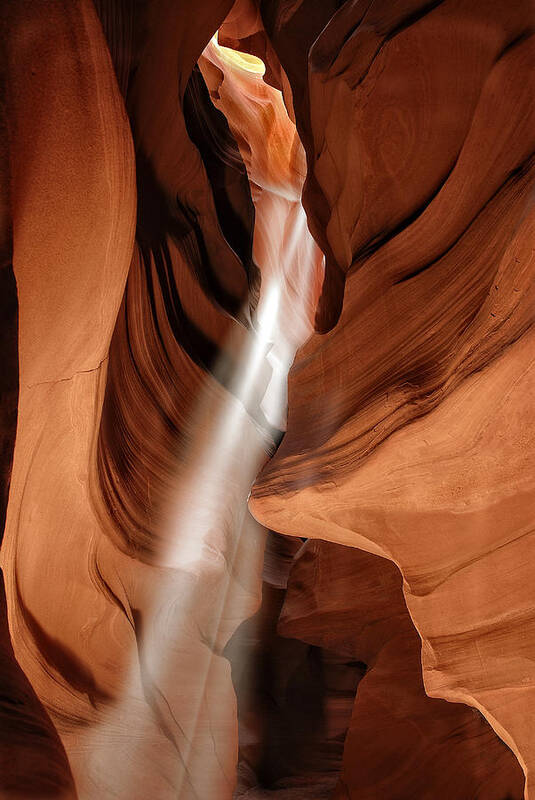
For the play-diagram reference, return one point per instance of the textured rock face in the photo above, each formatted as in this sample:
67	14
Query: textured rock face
157	276
32	758
330	693
294	698
137	402
421	451
79	609
194	207
351	603
388	75
72	214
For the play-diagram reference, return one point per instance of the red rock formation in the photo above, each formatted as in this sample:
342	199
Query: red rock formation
294	699
71	211
33	762
401	743
143	195
388	76
437	500
439	291
171	327
111	497
290	260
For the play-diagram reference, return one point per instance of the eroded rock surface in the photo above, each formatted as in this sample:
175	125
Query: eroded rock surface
421	452
158	276
400	743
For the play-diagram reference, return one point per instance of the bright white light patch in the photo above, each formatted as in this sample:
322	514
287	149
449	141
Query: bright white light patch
244	61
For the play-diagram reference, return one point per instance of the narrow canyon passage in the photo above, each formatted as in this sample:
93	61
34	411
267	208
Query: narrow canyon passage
206	576
267	400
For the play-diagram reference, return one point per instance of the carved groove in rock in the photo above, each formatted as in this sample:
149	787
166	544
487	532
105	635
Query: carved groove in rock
266	301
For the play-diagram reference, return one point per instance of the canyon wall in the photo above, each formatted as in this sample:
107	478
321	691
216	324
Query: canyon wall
343	187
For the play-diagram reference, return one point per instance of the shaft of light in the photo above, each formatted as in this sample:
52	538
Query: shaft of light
195	597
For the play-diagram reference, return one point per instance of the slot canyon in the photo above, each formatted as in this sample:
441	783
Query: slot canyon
267	400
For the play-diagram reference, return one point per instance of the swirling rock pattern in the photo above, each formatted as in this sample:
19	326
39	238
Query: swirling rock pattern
294	698
151	199
71	217
400	743
378	452
32	759
134	383
333	636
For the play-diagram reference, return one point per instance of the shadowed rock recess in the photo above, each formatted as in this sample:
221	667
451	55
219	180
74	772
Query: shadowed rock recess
266	423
